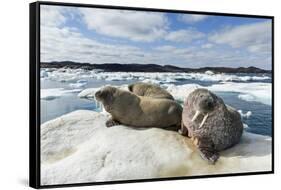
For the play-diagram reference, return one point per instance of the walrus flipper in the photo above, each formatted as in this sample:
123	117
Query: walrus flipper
206	149
111	122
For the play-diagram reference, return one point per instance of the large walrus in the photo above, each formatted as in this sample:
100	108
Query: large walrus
212	125
139	111
150	90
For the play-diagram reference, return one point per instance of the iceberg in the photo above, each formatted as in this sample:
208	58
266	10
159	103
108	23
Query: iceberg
79	148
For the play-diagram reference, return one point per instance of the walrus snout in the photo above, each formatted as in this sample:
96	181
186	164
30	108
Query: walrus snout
98	95
207	103
105	94
210	103
101	95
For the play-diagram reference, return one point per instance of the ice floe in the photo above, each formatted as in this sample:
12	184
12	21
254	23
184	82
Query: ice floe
245	115
78	148
253	91
256	91
88	92
53	93
78	84
70	75
259	92
209	73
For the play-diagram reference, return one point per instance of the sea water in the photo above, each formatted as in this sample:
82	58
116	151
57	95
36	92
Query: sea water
259	121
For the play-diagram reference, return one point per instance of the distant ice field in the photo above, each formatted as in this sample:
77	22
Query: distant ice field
248	93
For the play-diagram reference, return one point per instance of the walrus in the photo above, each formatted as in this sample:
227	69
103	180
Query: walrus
212	125
149	90
139	111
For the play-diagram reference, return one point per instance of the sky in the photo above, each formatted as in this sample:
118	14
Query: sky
97	36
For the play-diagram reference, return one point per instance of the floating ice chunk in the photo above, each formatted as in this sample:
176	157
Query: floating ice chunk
43	74
209	73
260	92
77	85
82	81
246	97
114	78
88	92
180	92
68	75
53	93
245	125
71	75
80	145
152	81
245	115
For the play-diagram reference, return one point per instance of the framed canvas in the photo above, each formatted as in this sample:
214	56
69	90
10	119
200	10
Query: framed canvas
126	94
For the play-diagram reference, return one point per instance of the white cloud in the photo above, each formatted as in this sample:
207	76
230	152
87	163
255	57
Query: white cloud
184	35
255	37
134	25
165	48
207	45
192	18
60	43
51	15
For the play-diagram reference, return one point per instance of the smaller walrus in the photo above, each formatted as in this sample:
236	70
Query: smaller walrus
212	125
149	90
139	111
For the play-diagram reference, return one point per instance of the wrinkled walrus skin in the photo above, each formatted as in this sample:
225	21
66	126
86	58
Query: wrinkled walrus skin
215	127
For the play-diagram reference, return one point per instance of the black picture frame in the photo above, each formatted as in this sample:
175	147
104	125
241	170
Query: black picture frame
34	93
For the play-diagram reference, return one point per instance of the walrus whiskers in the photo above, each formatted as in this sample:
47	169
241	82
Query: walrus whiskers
197	113
204	120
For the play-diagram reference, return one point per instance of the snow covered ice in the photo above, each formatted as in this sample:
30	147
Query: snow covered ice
78	147
53	93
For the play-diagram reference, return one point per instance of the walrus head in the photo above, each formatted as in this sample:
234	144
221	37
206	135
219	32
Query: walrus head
203	102
106	96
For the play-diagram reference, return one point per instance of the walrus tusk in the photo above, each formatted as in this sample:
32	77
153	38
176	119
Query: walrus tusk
203	121
195	115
